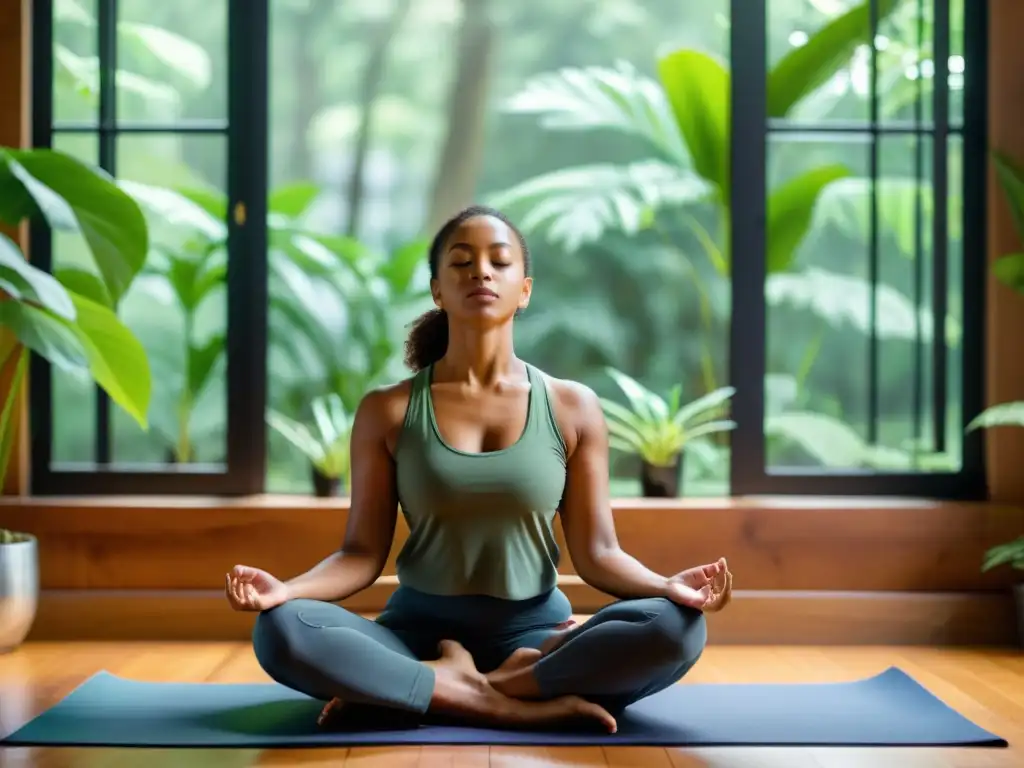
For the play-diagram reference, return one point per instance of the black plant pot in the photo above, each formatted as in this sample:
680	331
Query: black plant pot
662	482
324	487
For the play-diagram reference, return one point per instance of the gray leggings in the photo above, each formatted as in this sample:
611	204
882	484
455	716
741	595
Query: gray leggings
626	651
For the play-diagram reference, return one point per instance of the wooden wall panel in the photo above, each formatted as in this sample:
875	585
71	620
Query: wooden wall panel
754	618
773	545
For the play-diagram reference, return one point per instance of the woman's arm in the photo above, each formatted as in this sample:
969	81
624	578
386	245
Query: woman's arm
586	509
373	512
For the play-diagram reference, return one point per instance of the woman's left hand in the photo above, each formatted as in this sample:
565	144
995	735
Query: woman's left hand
707	587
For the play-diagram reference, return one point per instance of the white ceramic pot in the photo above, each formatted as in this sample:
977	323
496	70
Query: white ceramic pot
19	591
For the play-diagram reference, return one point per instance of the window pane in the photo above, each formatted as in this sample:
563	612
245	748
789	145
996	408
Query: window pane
75	63
627	264
955	302
906	65
178	308
73	398
819	389
957	63
845	83
817	308
172	60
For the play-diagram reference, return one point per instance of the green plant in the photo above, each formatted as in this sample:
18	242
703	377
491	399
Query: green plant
683	120
323	288
326	443
658	429
1009	270
70	317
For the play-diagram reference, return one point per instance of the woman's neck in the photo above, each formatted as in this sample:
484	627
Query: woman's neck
480	356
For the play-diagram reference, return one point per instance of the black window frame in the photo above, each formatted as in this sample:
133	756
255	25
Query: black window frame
245	131
751	130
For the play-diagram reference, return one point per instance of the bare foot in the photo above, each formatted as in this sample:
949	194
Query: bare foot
462	691
561	633
521	658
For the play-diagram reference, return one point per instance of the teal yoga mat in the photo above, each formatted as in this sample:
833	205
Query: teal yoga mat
890	709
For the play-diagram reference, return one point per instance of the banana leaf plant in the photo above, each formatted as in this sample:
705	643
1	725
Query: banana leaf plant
70	318
1009	270
325	444
659	429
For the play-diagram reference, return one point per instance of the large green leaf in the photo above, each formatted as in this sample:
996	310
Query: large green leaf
20	363
698	90
292	200
846	204
72	195
806	68
182	55
790	210
177	209
84	283
1011	179
45	334
845	301
578	206
1002	415
117	359
401	266
25	282
616	99
1009	270
201	360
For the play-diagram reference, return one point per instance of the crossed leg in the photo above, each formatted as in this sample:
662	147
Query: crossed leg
628	650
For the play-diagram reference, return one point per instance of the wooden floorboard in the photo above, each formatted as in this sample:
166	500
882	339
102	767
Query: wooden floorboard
985	685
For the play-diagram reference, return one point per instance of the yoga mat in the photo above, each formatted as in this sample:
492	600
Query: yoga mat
889	709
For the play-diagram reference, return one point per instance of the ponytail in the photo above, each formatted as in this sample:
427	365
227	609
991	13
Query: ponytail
428	340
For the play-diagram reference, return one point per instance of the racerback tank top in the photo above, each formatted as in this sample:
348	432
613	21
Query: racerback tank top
480	523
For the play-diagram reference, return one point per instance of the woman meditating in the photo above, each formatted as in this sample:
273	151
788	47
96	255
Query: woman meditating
481	450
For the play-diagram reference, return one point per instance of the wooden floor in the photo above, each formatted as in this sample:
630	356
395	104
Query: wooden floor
986	686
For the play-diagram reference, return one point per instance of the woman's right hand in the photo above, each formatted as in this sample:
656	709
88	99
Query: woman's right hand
250	589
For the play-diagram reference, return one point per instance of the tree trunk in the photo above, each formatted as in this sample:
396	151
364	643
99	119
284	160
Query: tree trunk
373	77
308	74
459	162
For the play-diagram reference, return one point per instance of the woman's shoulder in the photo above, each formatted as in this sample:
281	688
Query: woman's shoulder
384	407
577	407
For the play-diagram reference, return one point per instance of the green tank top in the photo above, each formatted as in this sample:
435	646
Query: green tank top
480	523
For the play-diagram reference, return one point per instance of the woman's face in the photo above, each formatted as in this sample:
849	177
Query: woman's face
481	273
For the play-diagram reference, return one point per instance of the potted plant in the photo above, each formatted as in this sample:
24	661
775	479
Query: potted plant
657	429
1009	270
69	318
326	444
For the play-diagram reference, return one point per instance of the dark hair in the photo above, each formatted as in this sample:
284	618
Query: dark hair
428	337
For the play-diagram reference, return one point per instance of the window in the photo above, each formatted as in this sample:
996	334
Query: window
124	85
295	157
868	335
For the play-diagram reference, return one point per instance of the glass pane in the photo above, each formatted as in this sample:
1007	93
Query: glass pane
819	388
957	63
75	80
844	90
955	302
627	263
906	66
172	60
178	308
74	399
